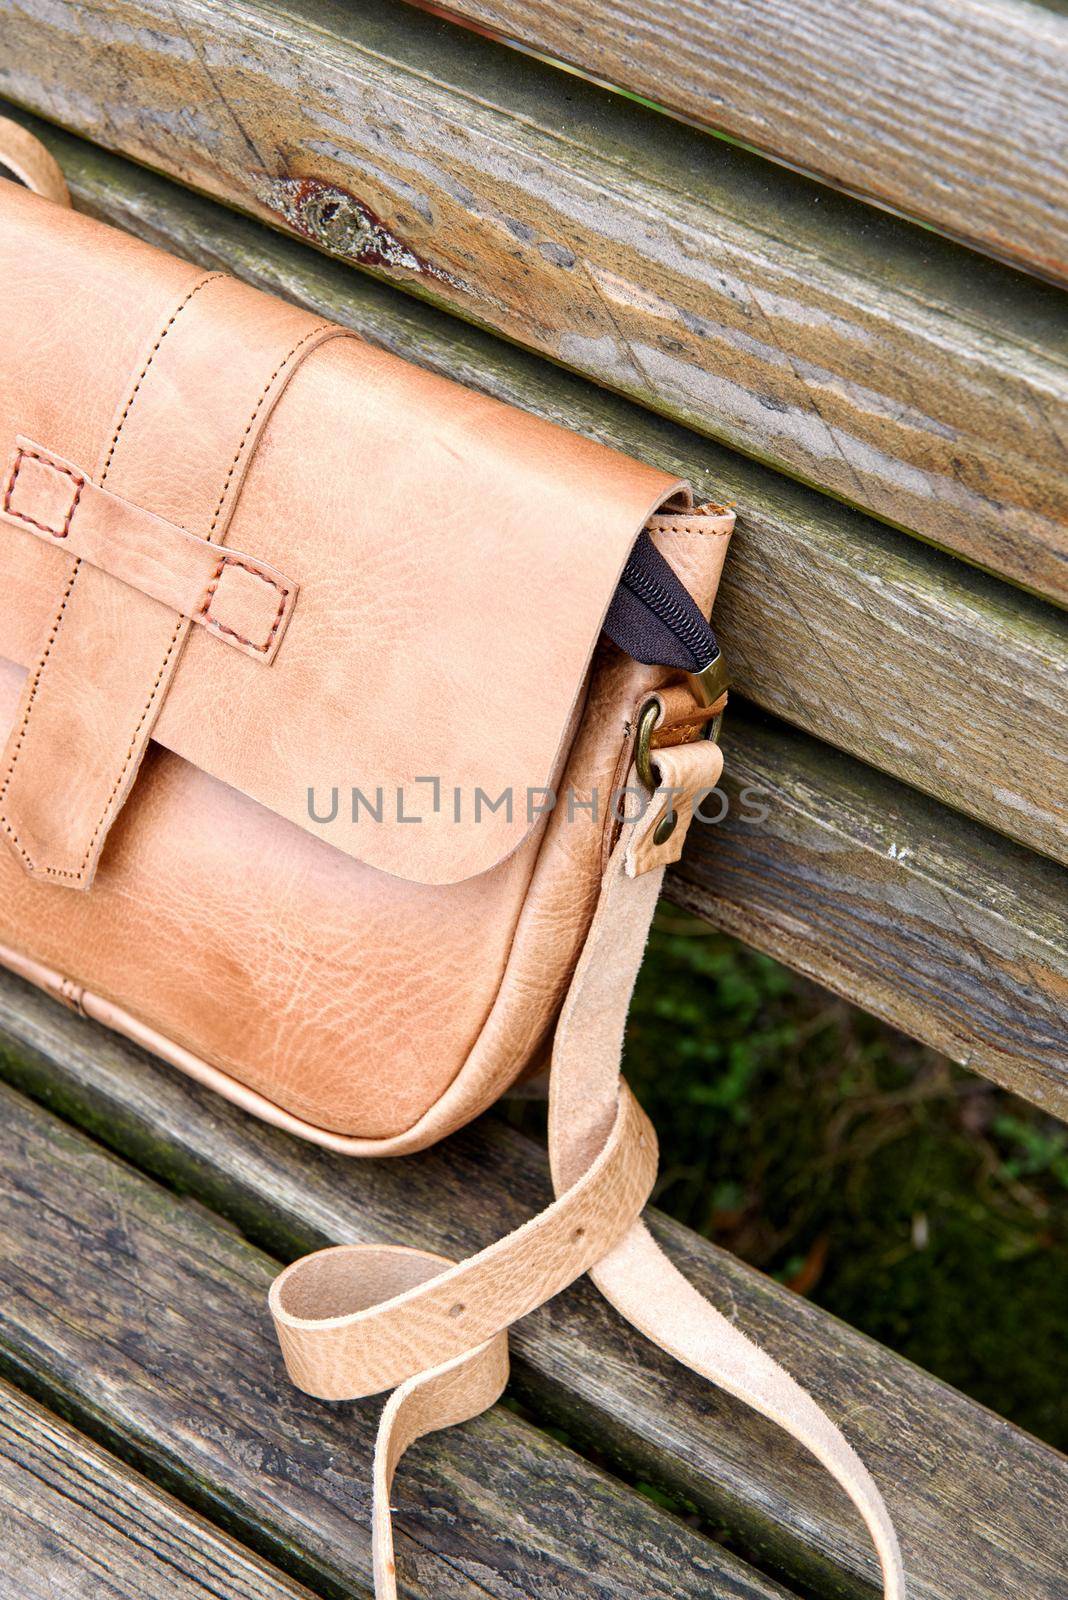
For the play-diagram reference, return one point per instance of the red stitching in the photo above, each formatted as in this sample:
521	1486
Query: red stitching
16	467
209	595
204	609
202	283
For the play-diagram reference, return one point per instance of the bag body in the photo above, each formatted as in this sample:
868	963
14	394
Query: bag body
322	780
452	560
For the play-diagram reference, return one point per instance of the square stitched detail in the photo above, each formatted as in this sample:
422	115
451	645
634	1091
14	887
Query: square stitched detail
247	605
42	494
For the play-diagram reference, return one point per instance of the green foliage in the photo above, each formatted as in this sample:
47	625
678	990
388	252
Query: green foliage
1034	1149
916	1201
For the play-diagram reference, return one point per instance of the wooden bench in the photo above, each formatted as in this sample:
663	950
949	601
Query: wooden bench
103	1262
886	408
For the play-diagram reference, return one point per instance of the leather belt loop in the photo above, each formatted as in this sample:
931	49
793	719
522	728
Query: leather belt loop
243	602
182	442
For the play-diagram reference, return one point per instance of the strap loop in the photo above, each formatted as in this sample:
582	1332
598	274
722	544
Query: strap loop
353	1320
242	601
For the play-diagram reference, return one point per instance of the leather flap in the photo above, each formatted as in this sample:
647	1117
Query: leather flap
449	559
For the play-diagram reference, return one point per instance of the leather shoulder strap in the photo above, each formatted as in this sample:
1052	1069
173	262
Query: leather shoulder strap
352	1320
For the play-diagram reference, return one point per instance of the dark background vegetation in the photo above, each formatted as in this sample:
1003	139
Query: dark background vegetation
914	1200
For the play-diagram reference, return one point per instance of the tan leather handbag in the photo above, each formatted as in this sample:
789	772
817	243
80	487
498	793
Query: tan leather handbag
323	782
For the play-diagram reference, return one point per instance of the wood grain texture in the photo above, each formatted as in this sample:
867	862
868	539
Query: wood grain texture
905	658
144	1318
980	1507
935	924
953	112
857	352
79	1525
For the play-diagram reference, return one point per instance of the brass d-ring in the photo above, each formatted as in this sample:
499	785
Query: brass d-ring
648	717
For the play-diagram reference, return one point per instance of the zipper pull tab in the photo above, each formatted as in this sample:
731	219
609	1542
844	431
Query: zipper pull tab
712	680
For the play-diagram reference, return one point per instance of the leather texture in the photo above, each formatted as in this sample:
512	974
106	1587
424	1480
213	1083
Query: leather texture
385	493
110	653
347	1329
687	774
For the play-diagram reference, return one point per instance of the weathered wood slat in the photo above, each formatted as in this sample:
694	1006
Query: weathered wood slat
937	925
980	1506
144	1318
77	1524
831	621
857	352
956	114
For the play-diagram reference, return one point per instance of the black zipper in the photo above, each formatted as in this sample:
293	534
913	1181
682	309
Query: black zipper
654	617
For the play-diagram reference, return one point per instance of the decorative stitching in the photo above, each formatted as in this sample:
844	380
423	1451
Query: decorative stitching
16	467
209	593
129	757
319	328
202	283
204	610
182	621
686	526
58	622
65	872
8	829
